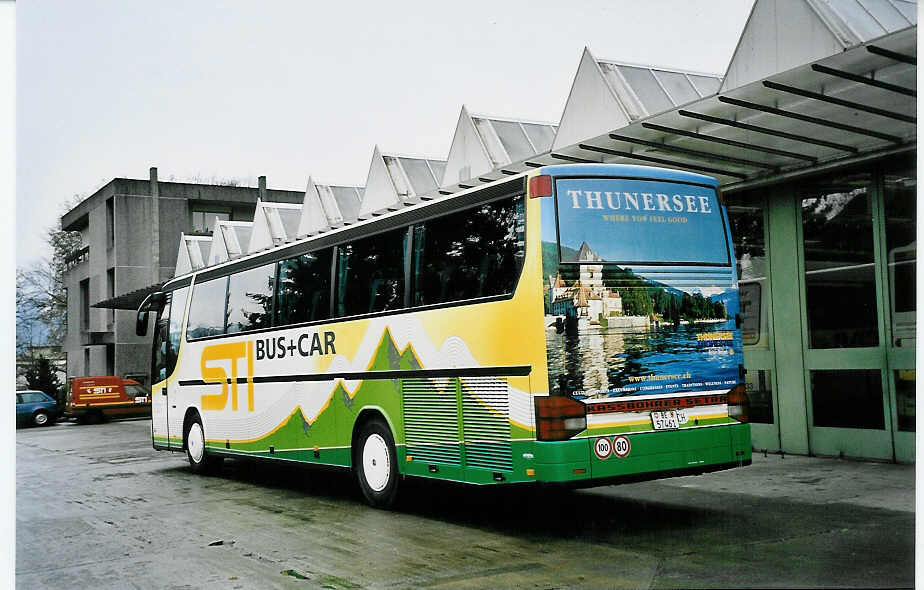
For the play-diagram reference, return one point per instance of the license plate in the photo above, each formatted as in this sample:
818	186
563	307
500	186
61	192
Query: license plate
665	420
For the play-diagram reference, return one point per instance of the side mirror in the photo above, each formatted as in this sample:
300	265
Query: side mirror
141	323
153	302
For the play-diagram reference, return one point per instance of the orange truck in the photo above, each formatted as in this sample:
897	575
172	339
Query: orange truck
92	399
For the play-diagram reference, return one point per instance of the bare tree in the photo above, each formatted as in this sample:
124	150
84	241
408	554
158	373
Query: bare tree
41	293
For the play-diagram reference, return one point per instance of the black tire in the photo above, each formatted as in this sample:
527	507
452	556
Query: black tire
41	418
194	443
375	463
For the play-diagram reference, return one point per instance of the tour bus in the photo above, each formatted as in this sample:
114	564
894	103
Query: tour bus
572	325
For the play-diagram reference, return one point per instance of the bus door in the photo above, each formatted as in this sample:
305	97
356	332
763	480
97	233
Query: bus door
159	388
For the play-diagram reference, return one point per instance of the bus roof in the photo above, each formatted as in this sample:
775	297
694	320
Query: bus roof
428	208
629	170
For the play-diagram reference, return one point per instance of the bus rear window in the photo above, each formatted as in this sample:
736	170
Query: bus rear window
640	221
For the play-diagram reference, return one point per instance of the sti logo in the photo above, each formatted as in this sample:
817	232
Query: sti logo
307	344
233	351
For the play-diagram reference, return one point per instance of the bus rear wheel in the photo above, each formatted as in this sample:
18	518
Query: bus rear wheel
376	464
199	460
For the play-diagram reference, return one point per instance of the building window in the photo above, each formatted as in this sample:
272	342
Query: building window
847	399
746	217
760	396
904	396
85	305
204	221
110	292
110	223
901	250
86	361
110	359
840	280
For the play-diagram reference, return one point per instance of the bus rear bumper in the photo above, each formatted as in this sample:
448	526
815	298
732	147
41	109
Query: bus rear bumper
647	456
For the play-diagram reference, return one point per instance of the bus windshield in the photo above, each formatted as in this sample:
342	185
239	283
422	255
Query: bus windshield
640	221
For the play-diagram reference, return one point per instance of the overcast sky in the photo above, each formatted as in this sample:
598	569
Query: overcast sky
290	89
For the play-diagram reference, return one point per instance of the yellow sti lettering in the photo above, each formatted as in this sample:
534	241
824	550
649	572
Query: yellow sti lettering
211	374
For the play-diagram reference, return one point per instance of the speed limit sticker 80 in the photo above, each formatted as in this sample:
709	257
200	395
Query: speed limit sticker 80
618	446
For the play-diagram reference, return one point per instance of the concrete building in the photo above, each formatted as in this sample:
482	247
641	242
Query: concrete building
128	229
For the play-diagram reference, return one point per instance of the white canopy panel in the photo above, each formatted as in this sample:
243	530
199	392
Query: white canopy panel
229	240
192	254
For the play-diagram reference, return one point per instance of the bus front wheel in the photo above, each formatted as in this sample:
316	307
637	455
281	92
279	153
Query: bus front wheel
376	464
199	460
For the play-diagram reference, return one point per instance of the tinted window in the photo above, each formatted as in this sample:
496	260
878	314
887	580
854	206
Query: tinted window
207	310
304	288
250	299
472	253
177	308
34	397
136	391
159	349
370	274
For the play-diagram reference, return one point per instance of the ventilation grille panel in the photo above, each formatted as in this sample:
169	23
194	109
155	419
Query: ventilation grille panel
486	423
431	420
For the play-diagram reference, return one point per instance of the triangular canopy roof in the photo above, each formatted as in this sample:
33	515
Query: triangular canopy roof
394	180
274	224
607	94
783	34
229	240
327	206
193	253
483	144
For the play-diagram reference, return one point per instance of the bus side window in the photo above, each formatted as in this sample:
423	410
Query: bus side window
250	299
370	274
207	309
473	253
303	293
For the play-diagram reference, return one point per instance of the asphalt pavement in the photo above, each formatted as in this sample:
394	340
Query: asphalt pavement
97	507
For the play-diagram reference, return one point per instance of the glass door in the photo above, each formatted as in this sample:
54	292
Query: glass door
899	247
847	378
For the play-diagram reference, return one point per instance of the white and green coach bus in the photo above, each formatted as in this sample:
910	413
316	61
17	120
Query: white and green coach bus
572	325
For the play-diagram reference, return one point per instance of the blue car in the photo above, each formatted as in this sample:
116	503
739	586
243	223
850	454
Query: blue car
36	408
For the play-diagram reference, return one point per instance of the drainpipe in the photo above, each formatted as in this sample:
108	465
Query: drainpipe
155	226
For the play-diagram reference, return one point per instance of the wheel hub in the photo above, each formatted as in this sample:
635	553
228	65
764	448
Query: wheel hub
195	442
375	461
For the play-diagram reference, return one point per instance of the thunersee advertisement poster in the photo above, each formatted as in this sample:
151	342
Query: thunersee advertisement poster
640	292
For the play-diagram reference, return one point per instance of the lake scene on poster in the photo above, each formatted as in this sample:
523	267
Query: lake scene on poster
640	296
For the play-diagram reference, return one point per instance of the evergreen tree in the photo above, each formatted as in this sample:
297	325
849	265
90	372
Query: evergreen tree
41	376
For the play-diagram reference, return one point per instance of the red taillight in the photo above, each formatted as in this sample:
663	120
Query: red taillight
559	417
540	186
738	404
